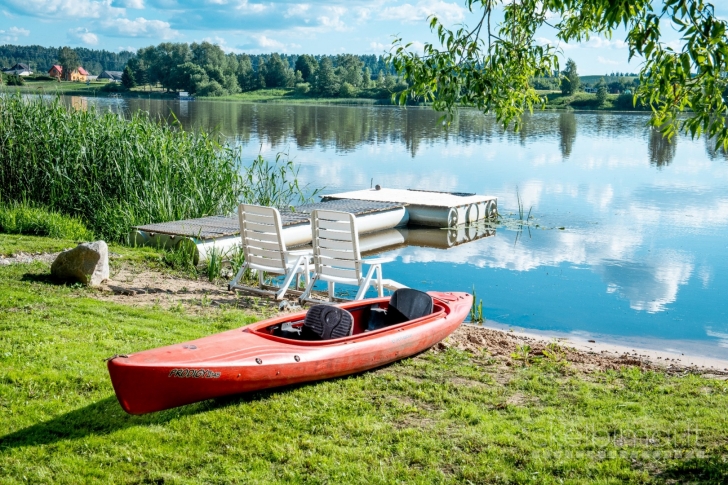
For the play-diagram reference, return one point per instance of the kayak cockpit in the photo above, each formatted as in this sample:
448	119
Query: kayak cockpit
324	323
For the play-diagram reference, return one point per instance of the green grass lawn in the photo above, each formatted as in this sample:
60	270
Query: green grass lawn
441	417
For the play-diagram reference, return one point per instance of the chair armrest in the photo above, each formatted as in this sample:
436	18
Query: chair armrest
301	252
377	260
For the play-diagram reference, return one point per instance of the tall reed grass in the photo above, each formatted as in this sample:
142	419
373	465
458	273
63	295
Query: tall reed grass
112	172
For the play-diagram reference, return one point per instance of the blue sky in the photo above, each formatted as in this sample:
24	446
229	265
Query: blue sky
255	26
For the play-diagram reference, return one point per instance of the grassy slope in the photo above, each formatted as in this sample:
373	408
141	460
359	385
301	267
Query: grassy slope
444	417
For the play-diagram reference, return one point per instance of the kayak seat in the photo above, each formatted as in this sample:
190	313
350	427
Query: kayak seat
325	322
404	305
408	304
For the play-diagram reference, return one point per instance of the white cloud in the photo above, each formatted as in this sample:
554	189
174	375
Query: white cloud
599	43
138	4
332	19
378	47
245	6
74	9
13	34
83	36
609	62
140	27
447	12
297	10
18	31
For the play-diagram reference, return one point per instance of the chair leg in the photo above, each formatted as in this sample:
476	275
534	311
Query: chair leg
293	271
261	278
331	291
380	289
364	285
238	276
309	287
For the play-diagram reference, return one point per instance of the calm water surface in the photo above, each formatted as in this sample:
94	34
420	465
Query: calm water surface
641	257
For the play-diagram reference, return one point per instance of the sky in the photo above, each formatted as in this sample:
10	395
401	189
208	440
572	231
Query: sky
258	27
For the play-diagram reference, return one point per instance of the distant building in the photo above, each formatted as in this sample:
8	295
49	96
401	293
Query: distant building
56	71
112	76
79	74
19	69
590	90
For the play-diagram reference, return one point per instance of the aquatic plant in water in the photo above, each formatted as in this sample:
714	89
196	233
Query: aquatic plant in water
476	311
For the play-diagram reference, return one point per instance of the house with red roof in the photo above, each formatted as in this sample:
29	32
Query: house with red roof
79	74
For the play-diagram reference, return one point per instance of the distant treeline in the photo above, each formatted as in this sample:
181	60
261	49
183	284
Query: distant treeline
41	59
206	70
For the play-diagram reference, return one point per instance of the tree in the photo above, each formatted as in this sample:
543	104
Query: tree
127	78
247	79
277	72
326	84
351	69
601	92
570	81
489	66
68	60
307	65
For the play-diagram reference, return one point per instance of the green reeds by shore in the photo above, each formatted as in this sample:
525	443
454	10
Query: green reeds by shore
111	172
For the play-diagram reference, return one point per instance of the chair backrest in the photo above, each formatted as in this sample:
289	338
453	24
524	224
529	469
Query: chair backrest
335	245
408	304
261	233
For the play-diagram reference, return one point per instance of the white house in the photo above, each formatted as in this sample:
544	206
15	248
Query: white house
19	69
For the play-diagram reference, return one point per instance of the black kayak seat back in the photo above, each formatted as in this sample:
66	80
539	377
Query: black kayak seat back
408	304
327	322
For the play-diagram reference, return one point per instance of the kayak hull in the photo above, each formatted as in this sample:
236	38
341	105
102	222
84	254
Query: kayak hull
250	359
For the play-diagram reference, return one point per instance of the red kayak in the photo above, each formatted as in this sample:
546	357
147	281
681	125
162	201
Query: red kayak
326	341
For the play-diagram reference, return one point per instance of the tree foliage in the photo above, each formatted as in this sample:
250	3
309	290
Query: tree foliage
69	61
489	66
127	78
570	81
601	92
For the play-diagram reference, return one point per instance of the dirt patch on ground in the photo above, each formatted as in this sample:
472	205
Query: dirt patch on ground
511	349
142	287
26	258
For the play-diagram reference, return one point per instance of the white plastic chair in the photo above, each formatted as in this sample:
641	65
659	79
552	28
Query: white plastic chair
265	250
337	258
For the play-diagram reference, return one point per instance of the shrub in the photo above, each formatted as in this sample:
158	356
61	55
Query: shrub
302	88
13	80
40	77
113	88
22	218
348	91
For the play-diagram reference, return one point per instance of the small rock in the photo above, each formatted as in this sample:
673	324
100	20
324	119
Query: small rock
87	263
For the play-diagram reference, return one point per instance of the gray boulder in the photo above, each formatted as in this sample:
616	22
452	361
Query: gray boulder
87	263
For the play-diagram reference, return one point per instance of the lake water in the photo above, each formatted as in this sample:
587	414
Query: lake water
641	257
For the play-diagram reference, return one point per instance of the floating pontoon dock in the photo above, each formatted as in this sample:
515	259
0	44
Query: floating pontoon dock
376	212
428	208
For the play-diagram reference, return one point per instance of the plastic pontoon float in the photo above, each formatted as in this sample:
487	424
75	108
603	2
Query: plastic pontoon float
429	208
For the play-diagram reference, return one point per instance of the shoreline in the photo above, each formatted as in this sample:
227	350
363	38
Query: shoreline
272	99
654	350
